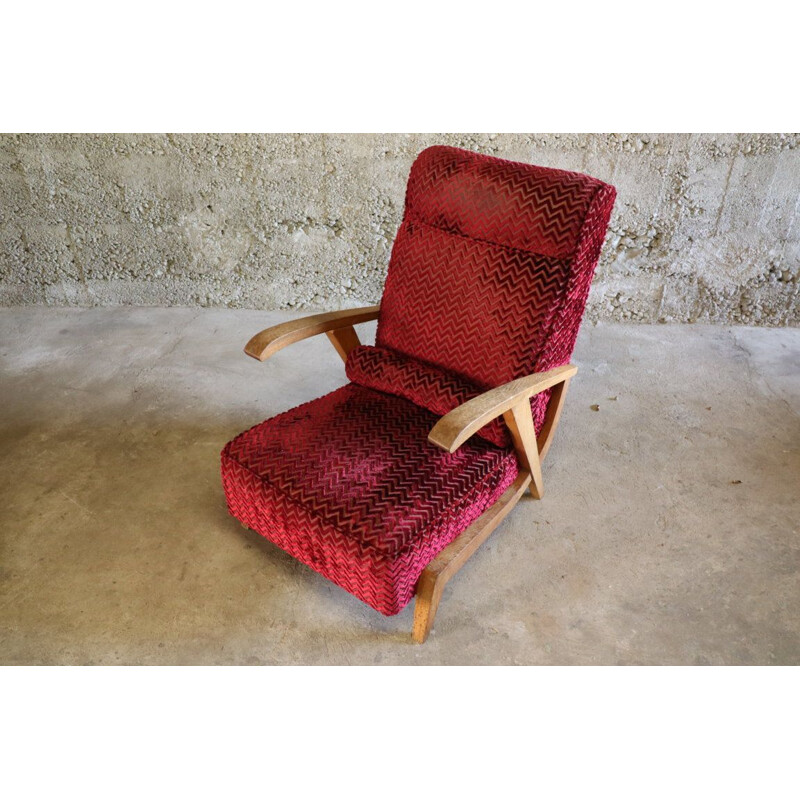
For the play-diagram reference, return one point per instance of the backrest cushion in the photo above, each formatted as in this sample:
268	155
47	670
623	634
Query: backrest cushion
491	266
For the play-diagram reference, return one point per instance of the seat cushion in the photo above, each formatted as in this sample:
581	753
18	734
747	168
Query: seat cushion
423	384
350	485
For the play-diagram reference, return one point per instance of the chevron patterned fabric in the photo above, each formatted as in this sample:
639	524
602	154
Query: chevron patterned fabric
491	267
349	484
423	384
487	282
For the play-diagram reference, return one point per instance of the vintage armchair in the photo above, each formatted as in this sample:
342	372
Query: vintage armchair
387	485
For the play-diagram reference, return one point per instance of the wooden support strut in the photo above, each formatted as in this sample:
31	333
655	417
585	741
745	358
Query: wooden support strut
344	340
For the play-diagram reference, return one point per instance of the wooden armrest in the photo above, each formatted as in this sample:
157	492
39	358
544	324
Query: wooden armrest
270	340
453	429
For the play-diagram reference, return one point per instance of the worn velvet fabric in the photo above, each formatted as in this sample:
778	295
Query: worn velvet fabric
491	267
487	282
349	484
428	386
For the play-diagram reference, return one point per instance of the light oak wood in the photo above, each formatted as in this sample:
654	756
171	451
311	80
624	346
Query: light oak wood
269	341
453	429
552	417
436	575
344	340
523	435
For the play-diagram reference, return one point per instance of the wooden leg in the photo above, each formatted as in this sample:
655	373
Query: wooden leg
436	575
429	592
344	340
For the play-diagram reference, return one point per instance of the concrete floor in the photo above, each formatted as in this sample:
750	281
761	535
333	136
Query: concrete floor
668	533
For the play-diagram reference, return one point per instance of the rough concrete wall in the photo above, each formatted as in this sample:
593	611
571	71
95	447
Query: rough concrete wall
705	227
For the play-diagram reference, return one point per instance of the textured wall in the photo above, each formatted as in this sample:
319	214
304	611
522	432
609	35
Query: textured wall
705	226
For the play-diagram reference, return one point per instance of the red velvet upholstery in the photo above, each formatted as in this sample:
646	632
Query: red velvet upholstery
487	281
349	485
429	387
491	266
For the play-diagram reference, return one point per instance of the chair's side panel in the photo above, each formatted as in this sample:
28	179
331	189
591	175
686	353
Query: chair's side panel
560	340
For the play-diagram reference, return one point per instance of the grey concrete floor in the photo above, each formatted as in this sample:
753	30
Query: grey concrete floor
668	533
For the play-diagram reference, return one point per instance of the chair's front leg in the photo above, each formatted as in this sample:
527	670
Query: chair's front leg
429	593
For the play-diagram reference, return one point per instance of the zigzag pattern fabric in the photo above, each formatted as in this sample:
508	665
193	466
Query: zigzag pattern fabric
349	485
423	384
487	282
491	266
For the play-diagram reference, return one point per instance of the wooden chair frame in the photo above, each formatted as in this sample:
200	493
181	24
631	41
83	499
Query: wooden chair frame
511	401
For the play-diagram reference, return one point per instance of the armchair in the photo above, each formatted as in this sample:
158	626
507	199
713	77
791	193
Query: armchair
388	485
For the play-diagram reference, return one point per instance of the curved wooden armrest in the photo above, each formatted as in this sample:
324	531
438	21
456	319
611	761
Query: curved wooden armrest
453	429
269	341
